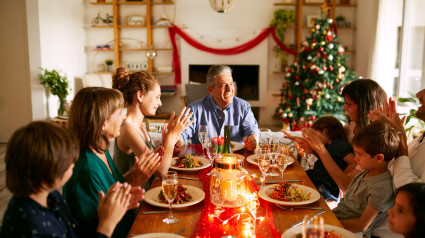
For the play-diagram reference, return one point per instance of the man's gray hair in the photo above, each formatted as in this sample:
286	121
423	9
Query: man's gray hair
216	70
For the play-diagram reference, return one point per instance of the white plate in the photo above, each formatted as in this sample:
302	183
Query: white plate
158	235
236	145
314	195
151	197
253	160
292	232
205	163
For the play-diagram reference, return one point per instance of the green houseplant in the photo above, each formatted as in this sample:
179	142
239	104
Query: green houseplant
282	18
412	112
58	85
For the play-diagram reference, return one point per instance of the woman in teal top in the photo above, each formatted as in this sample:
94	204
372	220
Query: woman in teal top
95	118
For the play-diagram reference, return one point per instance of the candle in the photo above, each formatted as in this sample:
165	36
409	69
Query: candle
228	186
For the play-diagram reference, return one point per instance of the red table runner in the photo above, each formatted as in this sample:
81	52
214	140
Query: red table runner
217	222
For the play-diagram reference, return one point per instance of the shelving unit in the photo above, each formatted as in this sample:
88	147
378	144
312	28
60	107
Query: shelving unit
334	7
120	26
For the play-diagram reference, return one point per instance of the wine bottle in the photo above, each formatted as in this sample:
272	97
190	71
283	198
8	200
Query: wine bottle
227	148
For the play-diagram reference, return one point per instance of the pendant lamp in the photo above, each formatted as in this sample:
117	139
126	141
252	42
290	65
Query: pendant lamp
222	6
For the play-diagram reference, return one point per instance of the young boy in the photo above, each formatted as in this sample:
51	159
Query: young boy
39	160
371	193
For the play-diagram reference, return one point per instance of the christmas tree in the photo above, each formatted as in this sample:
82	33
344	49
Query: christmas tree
315	80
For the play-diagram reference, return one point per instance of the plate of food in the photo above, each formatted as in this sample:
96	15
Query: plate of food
253	159
186	196
158	235
189	163
289	194
236	145
330	232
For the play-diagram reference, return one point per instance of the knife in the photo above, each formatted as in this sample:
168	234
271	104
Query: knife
187	178
311	217
288	181
159	212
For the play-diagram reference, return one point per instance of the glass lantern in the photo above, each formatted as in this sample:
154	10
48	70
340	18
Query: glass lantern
229	184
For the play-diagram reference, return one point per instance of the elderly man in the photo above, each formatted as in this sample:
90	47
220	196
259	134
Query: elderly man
222	108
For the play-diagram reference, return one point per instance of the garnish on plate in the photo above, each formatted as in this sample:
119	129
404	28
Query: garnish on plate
187	161
289	193
181	197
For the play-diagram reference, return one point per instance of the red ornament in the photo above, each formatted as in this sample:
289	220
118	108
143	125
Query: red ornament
289	70
307	49
331	68
290	97
297	78
331	87
324	68
329	38
314	41
312	117
324	56
303	67
321	49
305	91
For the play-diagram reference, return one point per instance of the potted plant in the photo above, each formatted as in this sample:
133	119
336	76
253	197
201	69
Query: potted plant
282	18
109	64
340	20
412	114
58	85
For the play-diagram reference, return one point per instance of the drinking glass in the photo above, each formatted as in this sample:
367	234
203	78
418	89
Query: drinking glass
203	136
274	151
282	162
313	227
263	164
169	188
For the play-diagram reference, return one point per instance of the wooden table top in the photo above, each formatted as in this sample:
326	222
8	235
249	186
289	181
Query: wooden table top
282	219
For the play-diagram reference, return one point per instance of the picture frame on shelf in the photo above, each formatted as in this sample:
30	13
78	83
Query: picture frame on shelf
310	20
136	20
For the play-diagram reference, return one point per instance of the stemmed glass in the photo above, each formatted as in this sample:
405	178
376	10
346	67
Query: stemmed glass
263	164
203	136
274	151
282	162
312	227
169	188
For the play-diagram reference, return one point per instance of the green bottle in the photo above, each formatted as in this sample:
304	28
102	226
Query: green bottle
227	147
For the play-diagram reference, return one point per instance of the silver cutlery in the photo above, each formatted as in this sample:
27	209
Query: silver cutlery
309	219
292	208
188	178
288	181
180	231
166	211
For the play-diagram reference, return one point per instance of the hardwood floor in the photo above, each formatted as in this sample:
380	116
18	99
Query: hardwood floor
5	195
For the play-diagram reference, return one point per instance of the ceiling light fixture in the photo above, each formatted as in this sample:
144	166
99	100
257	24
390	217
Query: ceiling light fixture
222	6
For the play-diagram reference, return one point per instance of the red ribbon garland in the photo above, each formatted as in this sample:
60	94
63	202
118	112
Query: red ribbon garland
229	51
212	227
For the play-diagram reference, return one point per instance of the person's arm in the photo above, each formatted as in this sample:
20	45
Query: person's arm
176	125
402	172
112	207
251	142
361	224
337	174
351	163
249	126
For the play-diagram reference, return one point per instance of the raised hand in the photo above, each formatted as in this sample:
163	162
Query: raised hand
112	207
137	195
312	137
144	166
176	125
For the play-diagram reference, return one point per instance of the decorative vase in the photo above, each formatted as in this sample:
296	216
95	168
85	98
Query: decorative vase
63	108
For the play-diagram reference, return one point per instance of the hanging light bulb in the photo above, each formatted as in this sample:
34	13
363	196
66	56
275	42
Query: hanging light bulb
151	53
222	6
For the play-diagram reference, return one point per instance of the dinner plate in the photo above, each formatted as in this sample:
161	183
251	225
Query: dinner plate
151	197
253	160
343	233
158	235
314	195
236	145
205	163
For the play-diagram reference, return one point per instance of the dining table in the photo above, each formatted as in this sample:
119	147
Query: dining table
279	220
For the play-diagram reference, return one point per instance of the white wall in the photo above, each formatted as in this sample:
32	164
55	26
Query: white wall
62	42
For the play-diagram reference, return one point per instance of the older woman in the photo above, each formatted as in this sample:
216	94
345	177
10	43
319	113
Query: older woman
95	118
142	96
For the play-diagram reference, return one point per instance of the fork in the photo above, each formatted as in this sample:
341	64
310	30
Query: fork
292	208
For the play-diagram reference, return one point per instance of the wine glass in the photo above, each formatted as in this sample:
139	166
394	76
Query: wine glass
203	136
263	164
282	162
313	227
169	188
273	153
